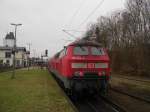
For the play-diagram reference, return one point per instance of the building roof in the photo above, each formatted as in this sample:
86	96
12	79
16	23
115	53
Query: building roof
10	48
10	36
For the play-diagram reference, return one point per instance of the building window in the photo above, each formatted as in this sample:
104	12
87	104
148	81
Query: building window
8	55
18	63
1	61
7	62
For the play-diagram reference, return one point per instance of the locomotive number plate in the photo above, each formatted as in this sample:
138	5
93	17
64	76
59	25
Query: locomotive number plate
91	65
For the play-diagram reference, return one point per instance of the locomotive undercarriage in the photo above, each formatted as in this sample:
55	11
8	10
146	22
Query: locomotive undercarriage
90	83
91	86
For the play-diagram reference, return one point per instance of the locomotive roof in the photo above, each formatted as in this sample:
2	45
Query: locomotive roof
85	43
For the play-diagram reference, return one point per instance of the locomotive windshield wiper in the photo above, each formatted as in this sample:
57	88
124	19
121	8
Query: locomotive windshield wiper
82	48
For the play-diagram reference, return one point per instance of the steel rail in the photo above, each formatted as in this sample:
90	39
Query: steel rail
128	94
114	106
133	79
92	106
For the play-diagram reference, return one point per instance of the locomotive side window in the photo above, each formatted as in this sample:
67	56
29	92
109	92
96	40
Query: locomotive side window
62	53
97	51
57	55
80	51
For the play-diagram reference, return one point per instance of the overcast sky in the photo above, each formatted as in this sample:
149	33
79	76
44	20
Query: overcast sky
43	20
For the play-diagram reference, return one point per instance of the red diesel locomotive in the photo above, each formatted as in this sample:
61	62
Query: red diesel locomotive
81	66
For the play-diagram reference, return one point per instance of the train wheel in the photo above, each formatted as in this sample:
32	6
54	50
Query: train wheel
104	87
68	91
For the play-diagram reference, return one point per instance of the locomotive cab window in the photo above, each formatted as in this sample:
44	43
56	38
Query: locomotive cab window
63	53
57	55
80	50
97	51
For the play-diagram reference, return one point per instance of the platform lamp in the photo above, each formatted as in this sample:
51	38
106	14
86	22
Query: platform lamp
14	50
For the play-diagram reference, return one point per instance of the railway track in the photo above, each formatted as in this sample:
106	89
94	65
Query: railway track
94	104
129	102
105	104
115	107
130	95
97	104
146	81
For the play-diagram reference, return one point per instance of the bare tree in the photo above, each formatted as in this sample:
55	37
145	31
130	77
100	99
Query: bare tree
126	34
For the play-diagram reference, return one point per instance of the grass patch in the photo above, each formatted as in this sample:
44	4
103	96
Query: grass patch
31	91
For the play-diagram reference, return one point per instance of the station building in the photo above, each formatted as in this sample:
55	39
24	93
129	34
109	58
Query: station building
6	56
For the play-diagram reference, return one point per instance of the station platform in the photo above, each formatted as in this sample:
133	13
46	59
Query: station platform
31	91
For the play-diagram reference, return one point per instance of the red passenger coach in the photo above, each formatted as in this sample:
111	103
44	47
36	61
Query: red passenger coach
82	66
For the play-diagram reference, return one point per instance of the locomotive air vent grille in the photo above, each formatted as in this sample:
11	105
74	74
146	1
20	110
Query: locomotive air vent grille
91	75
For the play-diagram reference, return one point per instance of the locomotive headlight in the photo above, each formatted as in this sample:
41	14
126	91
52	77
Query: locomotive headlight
102	73
101	65
79	65
78	74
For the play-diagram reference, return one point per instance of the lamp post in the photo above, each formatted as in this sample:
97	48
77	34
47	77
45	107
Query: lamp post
29	44
14	50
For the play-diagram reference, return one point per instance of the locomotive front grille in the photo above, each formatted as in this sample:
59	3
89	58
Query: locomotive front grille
89	76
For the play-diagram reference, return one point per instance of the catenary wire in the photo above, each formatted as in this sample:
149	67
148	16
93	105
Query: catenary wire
76	12
101	2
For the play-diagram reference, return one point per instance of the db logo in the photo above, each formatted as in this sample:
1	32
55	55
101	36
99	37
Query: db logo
90	65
